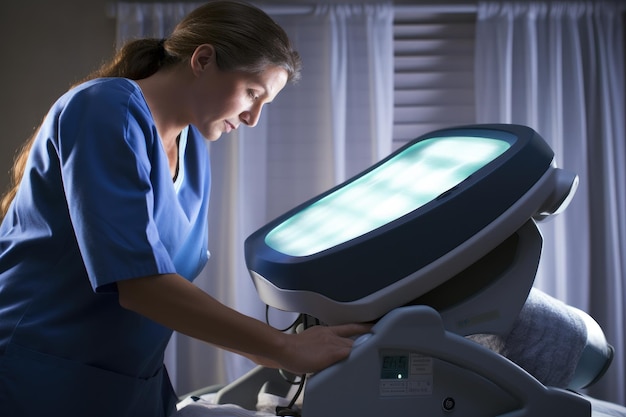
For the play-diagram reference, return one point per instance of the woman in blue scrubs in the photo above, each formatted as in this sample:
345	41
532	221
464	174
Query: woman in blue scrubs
106	225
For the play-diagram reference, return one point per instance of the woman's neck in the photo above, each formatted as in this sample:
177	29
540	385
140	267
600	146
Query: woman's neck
164	97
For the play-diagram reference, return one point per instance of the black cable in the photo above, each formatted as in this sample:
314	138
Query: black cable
287	379
289	410
291	326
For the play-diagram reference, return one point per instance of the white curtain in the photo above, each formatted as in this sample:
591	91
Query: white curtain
334	123
143	20
558	67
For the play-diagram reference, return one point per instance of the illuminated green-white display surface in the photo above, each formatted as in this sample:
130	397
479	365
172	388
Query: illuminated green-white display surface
412	178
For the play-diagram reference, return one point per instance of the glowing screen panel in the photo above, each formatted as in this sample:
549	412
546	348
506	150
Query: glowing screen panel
405	182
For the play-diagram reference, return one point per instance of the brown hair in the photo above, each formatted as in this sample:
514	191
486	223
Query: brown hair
244	37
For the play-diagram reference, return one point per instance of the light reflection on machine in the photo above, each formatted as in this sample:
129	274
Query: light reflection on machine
436	242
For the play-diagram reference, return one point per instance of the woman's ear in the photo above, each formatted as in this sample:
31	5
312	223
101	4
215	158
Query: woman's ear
202	58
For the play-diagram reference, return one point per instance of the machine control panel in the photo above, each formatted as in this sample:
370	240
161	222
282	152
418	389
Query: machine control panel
404	373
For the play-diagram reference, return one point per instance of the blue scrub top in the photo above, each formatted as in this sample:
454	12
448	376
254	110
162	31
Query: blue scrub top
96	205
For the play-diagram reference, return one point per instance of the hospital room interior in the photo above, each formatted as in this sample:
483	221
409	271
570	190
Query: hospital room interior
379	79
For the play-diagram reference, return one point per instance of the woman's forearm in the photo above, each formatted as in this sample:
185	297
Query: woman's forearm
180	305
176	303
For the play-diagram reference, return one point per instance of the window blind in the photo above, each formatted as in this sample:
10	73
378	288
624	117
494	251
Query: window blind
434	72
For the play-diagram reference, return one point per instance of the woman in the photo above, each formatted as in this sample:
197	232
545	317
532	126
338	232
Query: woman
105	227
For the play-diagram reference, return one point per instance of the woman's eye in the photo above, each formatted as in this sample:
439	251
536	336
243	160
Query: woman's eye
253	95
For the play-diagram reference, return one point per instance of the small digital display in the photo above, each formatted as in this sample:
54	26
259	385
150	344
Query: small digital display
395	367
415	176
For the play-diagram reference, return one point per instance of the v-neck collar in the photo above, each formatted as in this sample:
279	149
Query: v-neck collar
182	145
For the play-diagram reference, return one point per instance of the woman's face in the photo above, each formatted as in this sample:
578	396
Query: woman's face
222	100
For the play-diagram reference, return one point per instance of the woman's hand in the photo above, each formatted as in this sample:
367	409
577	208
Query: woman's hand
314	349
319	347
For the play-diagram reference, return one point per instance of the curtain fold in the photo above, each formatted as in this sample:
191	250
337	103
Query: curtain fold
558	67
143	20
334	123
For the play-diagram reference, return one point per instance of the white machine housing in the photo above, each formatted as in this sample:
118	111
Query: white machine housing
460	261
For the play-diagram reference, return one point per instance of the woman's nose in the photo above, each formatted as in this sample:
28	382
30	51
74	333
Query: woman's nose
251	117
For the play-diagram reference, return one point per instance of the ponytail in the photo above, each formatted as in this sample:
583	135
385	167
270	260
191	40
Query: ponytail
137	60
16	173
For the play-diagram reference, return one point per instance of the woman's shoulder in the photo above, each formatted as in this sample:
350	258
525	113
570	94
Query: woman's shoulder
123	84
105	87
103	96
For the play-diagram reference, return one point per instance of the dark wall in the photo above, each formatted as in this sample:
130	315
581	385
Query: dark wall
46	46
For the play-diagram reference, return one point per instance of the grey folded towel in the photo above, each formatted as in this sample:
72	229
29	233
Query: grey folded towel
547	340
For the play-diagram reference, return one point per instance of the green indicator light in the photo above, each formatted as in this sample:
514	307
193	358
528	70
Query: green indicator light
412	178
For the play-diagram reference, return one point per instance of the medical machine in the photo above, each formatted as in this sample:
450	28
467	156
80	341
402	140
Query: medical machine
435	244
